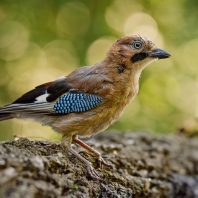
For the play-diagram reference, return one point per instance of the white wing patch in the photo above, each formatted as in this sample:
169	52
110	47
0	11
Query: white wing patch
41	98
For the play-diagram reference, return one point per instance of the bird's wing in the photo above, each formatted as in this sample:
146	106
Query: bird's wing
54	98
47	92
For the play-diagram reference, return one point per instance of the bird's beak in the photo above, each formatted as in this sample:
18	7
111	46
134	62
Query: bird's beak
159	53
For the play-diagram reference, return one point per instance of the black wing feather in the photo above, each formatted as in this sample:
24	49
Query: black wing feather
30	96
57	88
54	89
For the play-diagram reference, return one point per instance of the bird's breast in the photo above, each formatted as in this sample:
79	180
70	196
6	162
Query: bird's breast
113	107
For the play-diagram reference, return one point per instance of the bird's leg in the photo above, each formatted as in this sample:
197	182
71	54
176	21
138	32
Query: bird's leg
91	171
96	153
66	141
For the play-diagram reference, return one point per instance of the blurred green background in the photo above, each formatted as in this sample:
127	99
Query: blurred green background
42	40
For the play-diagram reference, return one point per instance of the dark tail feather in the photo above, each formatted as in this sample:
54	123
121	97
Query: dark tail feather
5	116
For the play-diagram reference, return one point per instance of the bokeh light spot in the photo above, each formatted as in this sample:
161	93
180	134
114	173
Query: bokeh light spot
73	19
60	54
98	49
13	40
118	12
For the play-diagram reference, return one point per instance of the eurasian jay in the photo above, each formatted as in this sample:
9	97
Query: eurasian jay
91	98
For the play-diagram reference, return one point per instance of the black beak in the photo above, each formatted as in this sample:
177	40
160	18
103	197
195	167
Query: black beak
159	53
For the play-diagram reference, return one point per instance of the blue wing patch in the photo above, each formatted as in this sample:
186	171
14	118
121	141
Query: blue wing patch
80	102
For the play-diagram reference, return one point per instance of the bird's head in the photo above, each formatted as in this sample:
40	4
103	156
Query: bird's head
135	52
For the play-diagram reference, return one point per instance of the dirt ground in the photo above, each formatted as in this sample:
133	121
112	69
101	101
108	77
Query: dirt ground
145	165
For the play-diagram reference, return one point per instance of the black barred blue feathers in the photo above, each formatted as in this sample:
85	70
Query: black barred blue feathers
81	102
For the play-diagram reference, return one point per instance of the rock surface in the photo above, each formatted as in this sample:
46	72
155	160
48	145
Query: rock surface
146	165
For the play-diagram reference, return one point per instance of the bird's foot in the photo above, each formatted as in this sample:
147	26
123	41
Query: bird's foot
90	170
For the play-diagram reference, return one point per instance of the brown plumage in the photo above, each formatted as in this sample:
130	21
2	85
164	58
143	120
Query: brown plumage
113	84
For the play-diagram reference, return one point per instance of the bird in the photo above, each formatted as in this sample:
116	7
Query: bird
91	98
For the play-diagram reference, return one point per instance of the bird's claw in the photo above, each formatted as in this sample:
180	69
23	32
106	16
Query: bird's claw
93	174
102	163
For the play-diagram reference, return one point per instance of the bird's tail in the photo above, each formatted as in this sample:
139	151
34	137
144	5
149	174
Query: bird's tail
5	116
17	110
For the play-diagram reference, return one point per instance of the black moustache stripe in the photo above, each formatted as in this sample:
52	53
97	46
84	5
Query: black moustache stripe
138	57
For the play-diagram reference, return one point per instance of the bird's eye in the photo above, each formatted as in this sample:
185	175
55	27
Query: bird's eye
136	45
